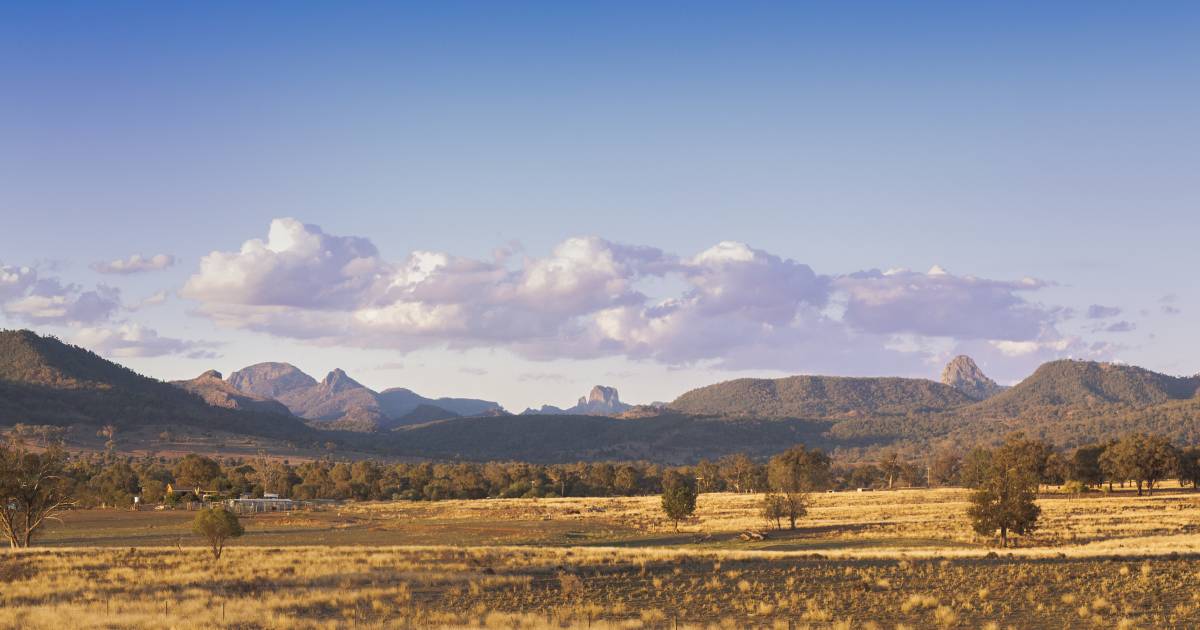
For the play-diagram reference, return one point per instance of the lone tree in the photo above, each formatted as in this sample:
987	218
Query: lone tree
1005	497
217	525
33	490
679	497
793	475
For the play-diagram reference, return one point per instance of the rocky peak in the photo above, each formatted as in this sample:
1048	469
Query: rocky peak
212	374
271	380
338	380
963	374
601	395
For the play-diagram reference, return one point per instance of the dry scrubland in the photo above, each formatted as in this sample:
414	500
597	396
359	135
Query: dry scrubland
861	560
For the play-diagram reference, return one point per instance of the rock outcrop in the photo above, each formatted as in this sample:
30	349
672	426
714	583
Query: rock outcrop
963	374
270	380
601	401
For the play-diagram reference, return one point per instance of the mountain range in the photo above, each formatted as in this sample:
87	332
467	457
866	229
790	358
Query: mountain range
45	381
340	402
601	401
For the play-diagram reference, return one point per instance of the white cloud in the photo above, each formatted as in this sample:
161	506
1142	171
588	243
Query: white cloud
940	304
135	264
48	301
134	340
730	305
297	265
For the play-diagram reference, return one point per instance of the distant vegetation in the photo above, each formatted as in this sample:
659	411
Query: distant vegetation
1086	384
819	397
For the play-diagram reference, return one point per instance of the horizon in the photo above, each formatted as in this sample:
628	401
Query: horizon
516	206
321	376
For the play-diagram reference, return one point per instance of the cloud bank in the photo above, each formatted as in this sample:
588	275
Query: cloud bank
731	305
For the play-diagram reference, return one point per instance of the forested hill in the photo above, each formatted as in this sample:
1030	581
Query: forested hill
665	438
1086	384
819	397
45	381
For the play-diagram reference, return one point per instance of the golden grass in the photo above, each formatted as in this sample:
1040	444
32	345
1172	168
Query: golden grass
513	587
861	560
858	524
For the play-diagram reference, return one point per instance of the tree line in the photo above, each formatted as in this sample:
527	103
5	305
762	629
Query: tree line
38	481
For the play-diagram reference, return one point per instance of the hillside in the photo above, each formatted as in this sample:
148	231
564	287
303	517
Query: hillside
427	413
667	438
45	381
819	397
331	399
1086	384
398	401
217	392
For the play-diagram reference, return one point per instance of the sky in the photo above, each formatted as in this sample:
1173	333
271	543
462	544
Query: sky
519	201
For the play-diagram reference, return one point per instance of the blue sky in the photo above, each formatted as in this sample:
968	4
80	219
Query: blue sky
1058	143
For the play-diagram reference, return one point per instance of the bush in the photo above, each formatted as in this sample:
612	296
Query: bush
217	525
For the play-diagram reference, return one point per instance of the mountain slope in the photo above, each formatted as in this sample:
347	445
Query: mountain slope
331	399
45	381
426	413
398	401
819	397
1086	384
667	438
213	390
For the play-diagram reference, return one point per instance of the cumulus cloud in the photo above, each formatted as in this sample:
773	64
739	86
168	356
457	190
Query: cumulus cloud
31	297
1097	311
134	264
134	340
49	301
297	265
730	305
940	304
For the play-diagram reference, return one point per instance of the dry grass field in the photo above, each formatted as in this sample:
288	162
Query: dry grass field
902	559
